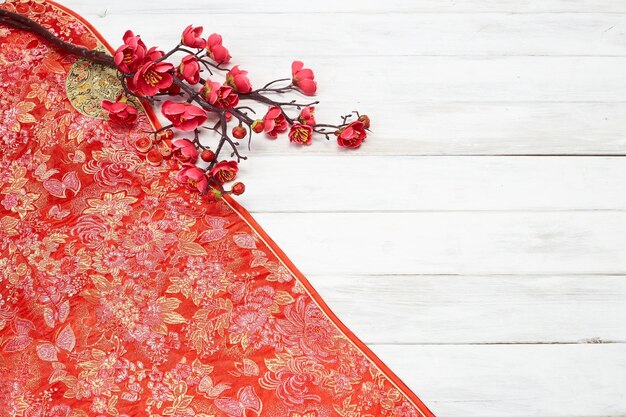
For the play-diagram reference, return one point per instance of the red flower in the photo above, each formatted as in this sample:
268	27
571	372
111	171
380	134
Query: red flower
152	77
351	136
184	116
191	37
224	171
130	56
307	116
218	95
153	54
185	150
274	122
216	50
238	80
189	69
210	90
301	134
193	177
120	112
303	78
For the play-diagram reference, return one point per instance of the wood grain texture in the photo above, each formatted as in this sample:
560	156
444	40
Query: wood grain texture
484	275
364	183
509	309
515	380
457	243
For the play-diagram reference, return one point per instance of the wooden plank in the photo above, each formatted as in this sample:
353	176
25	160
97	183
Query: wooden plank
349	6
556	243
359	182
351	34
514	380
478	309
467	128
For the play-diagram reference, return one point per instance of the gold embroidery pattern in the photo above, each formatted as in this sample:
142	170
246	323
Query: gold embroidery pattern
87	84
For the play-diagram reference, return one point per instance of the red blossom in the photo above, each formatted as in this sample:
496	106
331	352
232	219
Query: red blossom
120	112
351	136
189	69
307	116
216	50
224	171
151	77
154	54
193	177
300	133
191	37
275	122
303	78
185	150
238	80
130	56
218	95
184	116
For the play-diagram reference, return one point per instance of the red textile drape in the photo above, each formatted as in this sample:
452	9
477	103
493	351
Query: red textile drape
123	293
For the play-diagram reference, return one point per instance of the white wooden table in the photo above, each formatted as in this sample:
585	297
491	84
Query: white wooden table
478	240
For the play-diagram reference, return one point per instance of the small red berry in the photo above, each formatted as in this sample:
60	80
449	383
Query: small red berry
239	188
239	132
258	126
207	155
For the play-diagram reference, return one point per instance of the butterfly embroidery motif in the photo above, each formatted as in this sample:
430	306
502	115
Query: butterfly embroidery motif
65	340
58	188
207	387
22	338
56	212
246	399
216	229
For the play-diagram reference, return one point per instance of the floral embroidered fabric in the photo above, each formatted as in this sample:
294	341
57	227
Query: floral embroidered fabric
123	294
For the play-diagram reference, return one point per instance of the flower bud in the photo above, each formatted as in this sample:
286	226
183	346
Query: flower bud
214	194
239	132
258	126
366	121
207	155
239	188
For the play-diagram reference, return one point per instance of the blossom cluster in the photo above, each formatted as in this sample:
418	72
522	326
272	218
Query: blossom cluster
194	104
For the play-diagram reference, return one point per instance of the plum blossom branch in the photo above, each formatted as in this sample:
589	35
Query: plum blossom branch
196	105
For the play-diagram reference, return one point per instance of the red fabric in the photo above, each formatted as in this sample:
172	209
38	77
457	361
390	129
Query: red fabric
122	293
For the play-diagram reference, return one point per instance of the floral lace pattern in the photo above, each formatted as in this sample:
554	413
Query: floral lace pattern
122	294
